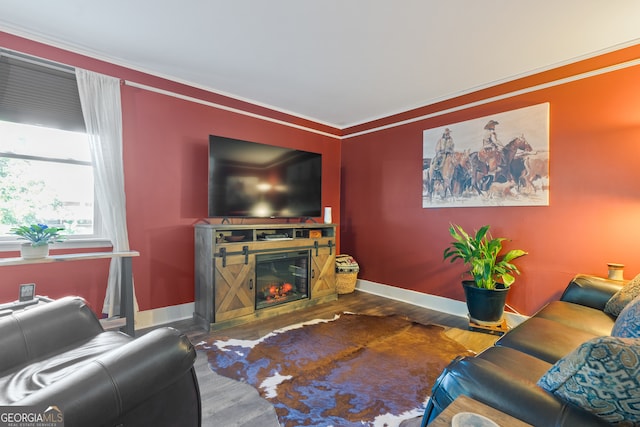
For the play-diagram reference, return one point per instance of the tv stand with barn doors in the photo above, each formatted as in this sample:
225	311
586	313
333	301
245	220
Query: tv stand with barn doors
246	272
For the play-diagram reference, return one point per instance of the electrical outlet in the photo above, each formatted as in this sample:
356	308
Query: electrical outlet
27	292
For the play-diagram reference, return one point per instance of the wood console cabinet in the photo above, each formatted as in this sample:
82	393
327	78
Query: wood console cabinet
225	268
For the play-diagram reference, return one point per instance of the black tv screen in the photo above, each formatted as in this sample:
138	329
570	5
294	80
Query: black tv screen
248	179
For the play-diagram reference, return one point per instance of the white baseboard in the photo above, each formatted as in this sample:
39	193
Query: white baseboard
432	302
160	316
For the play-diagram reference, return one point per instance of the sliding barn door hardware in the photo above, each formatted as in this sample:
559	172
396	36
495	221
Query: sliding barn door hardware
223	253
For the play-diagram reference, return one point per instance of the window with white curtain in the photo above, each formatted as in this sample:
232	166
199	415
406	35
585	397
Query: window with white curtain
46	174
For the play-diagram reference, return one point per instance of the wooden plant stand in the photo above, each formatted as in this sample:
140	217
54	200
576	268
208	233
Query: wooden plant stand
499	329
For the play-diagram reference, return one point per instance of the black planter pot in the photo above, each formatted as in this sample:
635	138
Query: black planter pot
486	306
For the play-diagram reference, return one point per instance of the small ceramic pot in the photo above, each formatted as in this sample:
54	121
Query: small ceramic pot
27	251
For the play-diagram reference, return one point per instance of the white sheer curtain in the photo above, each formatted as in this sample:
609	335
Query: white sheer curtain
101	108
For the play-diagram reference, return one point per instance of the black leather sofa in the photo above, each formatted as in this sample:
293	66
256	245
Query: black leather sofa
56	358
505	375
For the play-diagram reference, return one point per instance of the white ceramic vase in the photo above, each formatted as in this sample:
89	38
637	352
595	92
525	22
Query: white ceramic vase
616	271
27	251
327	215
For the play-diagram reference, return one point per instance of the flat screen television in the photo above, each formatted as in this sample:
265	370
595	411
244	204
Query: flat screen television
253	180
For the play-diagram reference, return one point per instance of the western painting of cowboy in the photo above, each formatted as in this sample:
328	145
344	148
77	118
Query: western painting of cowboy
497	160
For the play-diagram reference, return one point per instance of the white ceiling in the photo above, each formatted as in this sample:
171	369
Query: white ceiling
339	62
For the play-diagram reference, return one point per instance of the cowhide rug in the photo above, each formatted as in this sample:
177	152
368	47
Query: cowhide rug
353	370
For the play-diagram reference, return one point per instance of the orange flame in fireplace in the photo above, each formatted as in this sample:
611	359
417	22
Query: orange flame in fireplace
277	292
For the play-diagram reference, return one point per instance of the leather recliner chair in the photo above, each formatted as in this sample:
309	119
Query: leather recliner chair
57	355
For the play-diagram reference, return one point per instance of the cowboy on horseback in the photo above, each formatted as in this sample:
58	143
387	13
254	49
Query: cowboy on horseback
490	140
444	147
490	153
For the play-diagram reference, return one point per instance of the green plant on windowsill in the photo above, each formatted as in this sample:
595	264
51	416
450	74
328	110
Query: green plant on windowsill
38	234
481	253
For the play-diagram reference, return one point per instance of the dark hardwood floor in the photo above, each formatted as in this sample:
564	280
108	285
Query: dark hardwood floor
233	403
356	302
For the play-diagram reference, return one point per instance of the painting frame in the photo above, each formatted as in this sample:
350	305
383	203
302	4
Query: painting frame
497	160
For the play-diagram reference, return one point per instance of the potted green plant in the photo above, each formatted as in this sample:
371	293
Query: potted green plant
38	237
492	272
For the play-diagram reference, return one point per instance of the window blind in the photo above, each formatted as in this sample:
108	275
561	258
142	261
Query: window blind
36	92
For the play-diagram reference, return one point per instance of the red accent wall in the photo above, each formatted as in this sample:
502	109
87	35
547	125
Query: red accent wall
594	207
165	161
373	183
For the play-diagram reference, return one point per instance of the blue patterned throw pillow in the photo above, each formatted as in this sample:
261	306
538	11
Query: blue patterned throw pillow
628	322
624	296
601	376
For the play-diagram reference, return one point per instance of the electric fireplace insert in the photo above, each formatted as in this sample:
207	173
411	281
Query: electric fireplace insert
281	278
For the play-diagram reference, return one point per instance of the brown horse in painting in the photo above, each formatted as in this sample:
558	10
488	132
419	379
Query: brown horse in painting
535	167
449	178
496	166
437	179
510	153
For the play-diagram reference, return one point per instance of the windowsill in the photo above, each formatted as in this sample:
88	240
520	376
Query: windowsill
14	245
